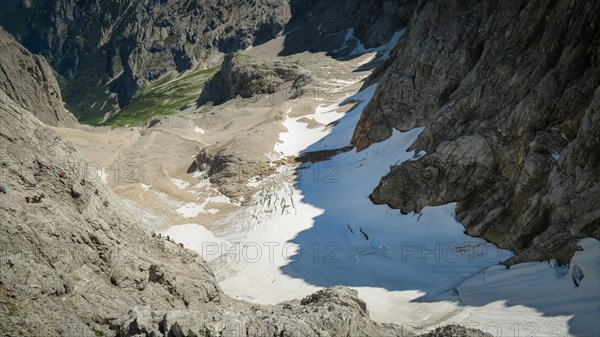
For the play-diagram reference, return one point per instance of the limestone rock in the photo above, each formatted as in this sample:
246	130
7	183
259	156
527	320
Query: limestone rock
508	94
69	262
29	81
331	312
454	330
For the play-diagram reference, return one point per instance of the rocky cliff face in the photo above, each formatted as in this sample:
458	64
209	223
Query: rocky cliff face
509	95
374	22
106	50
29	81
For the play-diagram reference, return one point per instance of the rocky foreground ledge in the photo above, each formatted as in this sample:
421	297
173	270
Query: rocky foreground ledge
334	311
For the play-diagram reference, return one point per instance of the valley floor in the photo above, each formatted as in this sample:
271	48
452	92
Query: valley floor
311	225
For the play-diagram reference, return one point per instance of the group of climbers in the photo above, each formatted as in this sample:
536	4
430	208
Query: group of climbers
38	199
168	238
35	199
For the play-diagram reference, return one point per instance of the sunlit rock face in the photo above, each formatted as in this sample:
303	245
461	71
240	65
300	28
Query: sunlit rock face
29	81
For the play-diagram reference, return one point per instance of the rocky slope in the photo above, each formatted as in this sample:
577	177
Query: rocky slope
29	81
331	312
509	94
77	257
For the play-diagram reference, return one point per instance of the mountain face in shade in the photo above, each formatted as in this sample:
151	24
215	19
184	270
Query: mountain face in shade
106	50
509	94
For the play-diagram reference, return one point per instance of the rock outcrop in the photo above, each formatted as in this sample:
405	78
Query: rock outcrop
509	95
454	330
29	81
246	77
331	312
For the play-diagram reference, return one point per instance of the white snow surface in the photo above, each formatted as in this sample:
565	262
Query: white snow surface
181	184
319	229
300	137
383	52
192	209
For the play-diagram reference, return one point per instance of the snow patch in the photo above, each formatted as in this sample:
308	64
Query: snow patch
190	210
383	51
204	183
181	184
553	300
299	136
367	60
254	181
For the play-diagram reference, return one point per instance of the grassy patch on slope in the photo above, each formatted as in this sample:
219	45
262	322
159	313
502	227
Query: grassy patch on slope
166	96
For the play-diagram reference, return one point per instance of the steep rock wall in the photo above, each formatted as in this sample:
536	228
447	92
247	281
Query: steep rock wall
29	81
509	95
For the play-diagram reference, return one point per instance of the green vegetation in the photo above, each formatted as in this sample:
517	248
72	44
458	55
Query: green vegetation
10	307
169	40
166	96
97	332
80	41
240	56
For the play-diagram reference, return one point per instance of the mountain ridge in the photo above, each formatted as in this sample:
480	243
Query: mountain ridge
29	81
